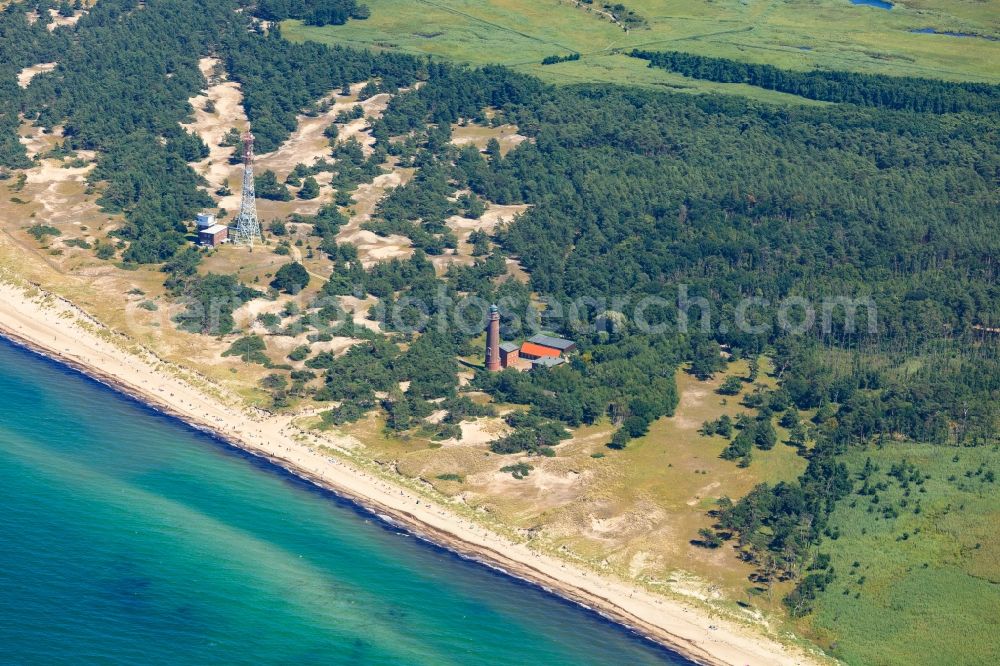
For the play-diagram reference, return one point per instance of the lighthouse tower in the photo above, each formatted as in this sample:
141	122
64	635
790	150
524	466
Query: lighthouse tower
493	340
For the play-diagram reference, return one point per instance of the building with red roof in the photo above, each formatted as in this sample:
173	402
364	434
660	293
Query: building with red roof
532	350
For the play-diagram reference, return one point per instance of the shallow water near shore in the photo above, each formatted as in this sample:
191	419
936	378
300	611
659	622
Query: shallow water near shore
129	537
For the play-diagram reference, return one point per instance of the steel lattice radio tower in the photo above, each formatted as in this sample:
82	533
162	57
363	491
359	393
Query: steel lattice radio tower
247	226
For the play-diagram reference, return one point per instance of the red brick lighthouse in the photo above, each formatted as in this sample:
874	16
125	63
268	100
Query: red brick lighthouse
493	340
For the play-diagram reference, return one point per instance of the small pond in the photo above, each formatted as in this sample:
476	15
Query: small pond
881	4
934	31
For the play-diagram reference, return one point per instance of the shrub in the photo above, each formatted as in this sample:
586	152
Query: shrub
40	231
104	251
764	436
518	471
268	187
310	189
619	440
250	349
300	353
350	411
739	447
274	381
731	386
269	320
291	278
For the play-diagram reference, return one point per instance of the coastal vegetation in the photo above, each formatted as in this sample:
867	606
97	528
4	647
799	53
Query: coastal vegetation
881	204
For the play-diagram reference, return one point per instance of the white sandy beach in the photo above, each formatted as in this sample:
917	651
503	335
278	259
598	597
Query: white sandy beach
58	329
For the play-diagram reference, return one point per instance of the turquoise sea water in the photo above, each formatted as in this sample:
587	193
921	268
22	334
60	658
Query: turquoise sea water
127	537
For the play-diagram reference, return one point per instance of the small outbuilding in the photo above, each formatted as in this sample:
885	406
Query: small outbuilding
546	362
213	235
509	353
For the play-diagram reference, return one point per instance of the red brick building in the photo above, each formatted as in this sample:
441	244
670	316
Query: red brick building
509	353
213	235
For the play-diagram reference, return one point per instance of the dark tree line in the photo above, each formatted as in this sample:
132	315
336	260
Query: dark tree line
902	93
312	12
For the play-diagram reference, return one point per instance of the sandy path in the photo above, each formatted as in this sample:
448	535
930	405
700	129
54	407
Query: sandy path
56	327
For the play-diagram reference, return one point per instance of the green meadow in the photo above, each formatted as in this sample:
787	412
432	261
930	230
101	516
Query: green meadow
917	567
795	34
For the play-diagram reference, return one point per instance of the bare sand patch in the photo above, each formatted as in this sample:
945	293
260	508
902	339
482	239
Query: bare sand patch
703	492
516	272
691	586
481	431
25	75
640	563
479	136
282	345
53	192
308	143
436	416
36	140
56	19
691	399
541	490
211	126
463	227
495	215
357	309
608	523
373	248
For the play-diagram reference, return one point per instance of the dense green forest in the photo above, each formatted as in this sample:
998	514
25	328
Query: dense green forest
280	79
735	200
634	194
313	12
22	44
890	92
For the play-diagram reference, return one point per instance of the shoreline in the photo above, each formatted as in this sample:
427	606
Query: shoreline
355	505
687	630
